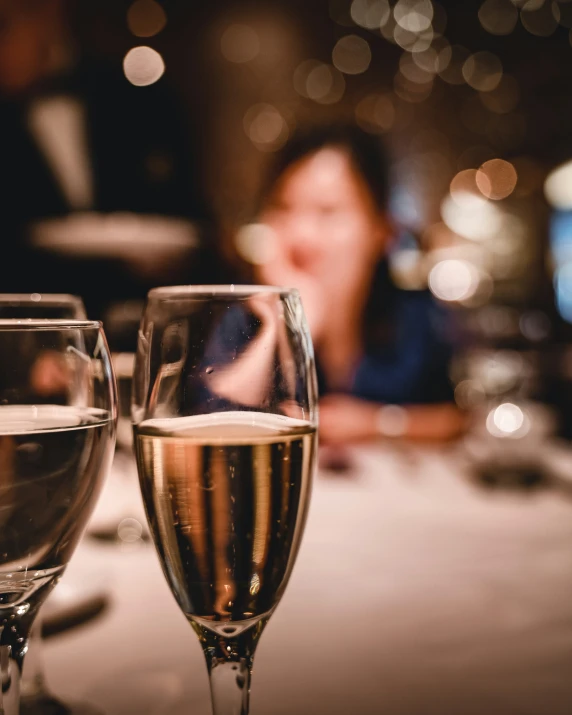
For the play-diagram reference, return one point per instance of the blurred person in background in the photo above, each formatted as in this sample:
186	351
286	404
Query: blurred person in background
77	139
383	353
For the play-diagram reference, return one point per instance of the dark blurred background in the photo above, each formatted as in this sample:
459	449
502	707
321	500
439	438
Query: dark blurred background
472	100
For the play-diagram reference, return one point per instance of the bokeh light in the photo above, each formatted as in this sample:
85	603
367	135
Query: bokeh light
413	15
540	19
143	66
434	59
529	5
534	325
406	266
301	73
499	17
453	280
413	41
469	394
412	71
508	420
452	72
375	113
351	55
482	71
318	81
464	188
558	187
265	127
146	18
240	43
324	84
502	370
474	217
256	243
563	290
388	29
496	179
370	14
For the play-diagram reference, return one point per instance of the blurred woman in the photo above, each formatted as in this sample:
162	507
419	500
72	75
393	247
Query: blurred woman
383	353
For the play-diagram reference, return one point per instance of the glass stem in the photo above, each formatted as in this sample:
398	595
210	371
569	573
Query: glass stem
229	662
13	648
33	682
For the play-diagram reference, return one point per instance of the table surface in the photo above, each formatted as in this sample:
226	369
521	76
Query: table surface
415	592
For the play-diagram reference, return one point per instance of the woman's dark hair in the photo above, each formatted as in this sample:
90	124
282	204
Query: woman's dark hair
367	153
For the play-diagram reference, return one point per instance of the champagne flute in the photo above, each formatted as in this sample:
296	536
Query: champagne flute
57	433
225	417
35	696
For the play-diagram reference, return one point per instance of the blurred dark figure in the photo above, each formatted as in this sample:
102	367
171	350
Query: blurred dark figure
76	136
383	353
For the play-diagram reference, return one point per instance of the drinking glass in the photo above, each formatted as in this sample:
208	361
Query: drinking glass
57	433
225	417
35	695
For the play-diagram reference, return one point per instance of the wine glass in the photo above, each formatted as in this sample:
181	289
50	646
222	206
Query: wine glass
35	697
57	433
225	417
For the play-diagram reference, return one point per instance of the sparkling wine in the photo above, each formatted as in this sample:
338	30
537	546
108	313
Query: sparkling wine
52	463
226	497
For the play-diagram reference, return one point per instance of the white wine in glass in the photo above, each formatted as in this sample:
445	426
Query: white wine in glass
58	410
35	696
225	418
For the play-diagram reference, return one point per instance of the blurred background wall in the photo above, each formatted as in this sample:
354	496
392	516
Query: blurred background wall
473	101
451	86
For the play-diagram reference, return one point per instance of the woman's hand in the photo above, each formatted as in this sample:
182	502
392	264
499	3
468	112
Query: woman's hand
345	419
281	271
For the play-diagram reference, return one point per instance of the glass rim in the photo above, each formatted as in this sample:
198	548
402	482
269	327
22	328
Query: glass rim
230	290
42	297
23	324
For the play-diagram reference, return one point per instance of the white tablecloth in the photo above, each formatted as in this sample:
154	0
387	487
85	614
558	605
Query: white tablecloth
415	593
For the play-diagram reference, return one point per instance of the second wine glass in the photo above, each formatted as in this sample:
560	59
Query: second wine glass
224	411
35	696
58	409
